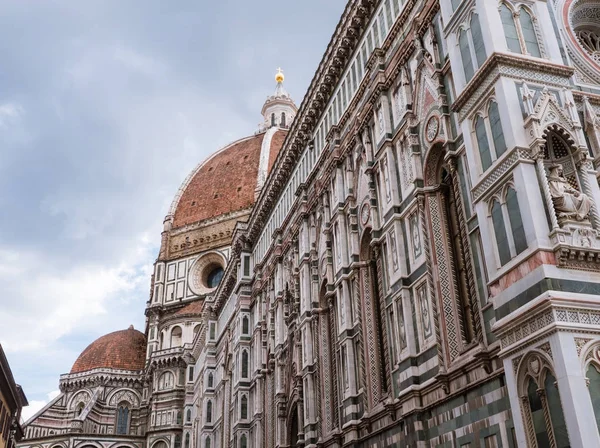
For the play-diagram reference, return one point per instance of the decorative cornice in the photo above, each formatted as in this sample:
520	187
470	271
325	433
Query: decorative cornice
498	60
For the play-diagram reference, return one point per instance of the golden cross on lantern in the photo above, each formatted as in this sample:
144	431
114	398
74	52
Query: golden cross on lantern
279	75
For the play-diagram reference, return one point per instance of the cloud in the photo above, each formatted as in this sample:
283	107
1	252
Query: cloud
37	405
105	108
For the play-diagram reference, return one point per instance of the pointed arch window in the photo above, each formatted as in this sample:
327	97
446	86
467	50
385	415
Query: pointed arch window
472	47
282	119
489	135
520	31
122	418
500	232
188	416
245	325
507	225
244	407
210	380
177	441
273	119
559	426
187	440
245	364
482	143
243	441
209	411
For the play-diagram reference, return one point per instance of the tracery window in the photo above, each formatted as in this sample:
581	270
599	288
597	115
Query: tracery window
243	441
122	418
472	47
207	442
507	225
188	415
519	30
210	380
177	441
489	135
541	405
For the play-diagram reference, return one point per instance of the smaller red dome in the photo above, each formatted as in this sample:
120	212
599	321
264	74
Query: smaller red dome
121	350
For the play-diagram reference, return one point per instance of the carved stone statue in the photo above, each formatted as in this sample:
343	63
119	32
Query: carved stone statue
568	202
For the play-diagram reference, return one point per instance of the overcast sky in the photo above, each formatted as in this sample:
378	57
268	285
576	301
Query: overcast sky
105	107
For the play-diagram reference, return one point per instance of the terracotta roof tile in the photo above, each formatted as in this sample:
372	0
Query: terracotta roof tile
225	182
123	350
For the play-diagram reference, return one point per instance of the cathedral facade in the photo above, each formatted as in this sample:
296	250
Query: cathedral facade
410	258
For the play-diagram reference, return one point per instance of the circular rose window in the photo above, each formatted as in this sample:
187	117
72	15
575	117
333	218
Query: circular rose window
585	23
206	273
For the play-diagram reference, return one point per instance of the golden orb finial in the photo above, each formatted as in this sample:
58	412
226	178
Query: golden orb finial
279	75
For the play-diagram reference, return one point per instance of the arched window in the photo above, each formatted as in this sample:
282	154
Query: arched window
177	441
273	119
477	37
537	414
79	409
188	416
465	53
496	127
187	440
176	337
529	35
207	442
165	381
282	124
245	325
243	441
244	363
122	418
593	376
210	380
472	47
516	222
520	34
489	136
557	417
178	418
508	227
482	143
209	411
244	407
542	408
500	233
510	29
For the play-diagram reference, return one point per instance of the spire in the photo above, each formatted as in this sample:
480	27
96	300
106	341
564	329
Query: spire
279	109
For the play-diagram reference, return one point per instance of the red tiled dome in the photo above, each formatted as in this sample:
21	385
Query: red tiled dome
226	181
123	350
